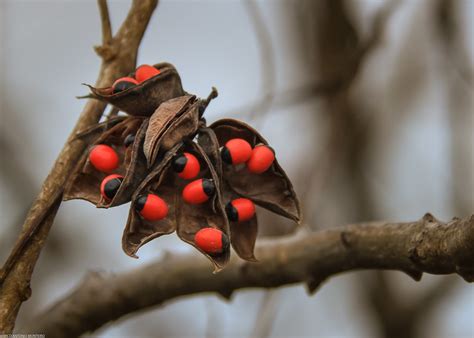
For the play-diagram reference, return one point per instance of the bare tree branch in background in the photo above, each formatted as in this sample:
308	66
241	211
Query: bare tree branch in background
118	59
427	245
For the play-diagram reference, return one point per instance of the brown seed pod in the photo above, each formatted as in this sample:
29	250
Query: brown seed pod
186	218
174	121
161	181
144	98
272	189
243	234
85	181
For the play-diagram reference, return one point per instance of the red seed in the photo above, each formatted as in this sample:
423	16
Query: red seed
187	165
240	210
211	241
144	72
236	151
151	207
104	158
110	185
123	83
198	191
261	159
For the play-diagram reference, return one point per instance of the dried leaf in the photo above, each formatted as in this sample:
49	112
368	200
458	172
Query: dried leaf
272	189
85	181
144	98
172	122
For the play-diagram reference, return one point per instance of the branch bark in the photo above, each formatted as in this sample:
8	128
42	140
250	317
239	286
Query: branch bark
427	245
118	59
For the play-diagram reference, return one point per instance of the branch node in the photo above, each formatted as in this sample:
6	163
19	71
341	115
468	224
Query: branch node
107	52
414	274
226	294
313	284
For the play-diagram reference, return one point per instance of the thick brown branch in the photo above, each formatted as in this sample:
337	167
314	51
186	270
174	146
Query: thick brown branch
427	245
16	273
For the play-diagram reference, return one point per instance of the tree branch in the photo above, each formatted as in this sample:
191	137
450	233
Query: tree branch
427	245
118	60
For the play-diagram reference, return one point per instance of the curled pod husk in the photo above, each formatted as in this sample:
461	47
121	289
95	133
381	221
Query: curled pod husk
243	234
172	122
85	181
163	182
91	134
186	219
272	189
144	98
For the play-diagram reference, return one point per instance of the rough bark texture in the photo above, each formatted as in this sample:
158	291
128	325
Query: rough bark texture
118	55
427	245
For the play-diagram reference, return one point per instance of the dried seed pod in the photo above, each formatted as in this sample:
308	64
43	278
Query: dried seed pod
161	181
243	234
144	98
271	189
85	181
185	218
174	121
192	218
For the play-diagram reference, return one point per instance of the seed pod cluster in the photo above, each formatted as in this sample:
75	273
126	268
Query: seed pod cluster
202	182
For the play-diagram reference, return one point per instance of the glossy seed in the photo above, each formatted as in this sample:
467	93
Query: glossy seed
123	83
240	210
198	191
104	158
211	241
145	72
186	165
236	151
151	207
261	159
110	185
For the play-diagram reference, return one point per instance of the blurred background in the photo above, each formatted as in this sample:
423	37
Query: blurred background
368	104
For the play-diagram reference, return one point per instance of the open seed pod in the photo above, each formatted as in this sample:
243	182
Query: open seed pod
85	181
144	98
186	218
172	122
272	189
243	234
